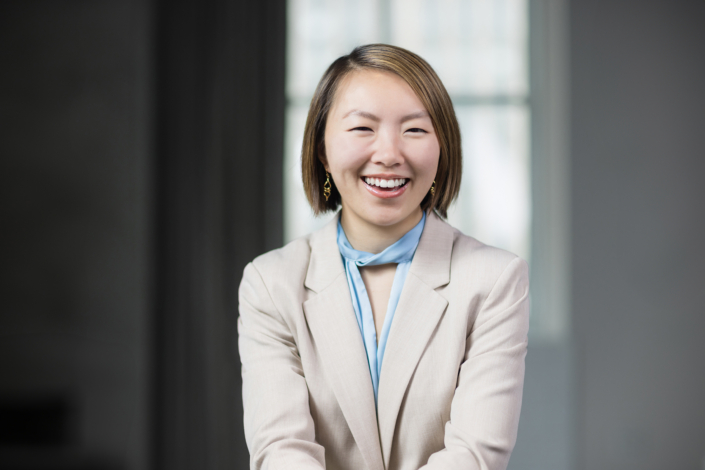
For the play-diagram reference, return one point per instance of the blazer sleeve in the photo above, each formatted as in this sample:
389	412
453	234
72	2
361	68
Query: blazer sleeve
485	409
279	429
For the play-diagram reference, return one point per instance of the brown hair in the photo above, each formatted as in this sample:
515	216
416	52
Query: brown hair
428	87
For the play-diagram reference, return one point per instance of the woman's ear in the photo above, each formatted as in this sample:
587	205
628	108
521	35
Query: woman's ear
322	156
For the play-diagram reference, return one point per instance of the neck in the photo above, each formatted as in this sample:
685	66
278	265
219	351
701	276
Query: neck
372	238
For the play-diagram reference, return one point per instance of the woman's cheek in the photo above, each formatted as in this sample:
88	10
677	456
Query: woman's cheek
432	154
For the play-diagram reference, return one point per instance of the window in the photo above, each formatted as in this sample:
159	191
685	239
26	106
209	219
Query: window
480	49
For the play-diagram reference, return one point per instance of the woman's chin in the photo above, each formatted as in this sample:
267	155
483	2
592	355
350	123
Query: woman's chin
388	217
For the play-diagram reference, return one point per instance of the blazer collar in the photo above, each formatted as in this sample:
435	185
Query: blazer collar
331	319
431	262
325	263
418	312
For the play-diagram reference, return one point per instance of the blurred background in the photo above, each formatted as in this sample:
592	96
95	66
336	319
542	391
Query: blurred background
149	150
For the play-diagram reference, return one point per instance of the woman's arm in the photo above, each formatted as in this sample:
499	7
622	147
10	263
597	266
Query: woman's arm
485	409
278	426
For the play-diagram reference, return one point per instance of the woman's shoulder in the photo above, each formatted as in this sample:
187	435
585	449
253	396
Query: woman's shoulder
466	245
287	268
472	253
287	261
465	248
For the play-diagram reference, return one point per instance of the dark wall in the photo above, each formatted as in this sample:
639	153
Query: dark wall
74	118
74	179
141	169
219	90
638	115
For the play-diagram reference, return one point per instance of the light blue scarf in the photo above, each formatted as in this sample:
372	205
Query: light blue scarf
401	252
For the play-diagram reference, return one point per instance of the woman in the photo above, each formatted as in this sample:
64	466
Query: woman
387	339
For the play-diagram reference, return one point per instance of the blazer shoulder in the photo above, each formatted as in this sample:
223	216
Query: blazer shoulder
275	280
469	251
288	263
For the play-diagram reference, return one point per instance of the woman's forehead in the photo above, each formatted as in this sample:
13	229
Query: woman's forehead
373	88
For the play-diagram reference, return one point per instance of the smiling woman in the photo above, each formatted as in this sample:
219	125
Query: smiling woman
387	339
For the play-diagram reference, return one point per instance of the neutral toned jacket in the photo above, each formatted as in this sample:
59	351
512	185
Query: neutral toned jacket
451	382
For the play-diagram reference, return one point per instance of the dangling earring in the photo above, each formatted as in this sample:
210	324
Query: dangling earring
326	187
433	188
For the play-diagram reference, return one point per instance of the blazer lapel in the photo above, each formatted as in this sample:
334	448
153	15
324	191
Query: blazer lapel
419	310
332	321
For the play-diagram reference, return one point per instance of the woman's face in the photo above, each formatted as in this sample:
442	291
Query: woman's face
380	149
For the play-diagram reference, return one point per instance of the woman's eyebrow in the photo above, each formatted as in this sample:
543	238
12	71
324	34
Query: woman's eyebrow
418	114
365	114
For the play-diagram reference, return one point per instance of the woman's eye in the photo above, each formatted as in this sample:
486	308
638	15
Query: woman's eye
416	130
362	129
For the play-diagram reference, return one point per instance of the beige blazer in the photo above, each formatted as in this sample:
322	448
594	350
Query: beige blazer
451	382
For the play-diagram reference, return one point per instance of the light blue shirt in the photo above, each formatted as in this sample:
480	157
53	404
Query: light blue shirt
401	252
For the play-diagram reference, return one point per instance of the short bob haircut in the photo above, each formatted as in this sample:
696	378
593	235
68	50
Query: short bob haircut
427	86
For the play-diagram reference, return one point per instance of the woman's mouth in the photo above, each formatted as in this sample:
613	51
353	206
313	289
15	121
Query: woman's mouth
385	187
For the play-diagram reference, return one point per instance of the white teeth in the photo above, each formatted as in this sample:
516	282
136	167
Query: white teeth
382	183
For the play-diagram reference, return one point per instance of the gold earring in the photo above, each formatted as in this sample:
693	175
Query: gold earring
326	187
433	188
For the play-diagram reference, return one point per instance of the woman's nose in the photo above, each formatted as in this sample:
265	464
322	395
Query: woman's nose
388	152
